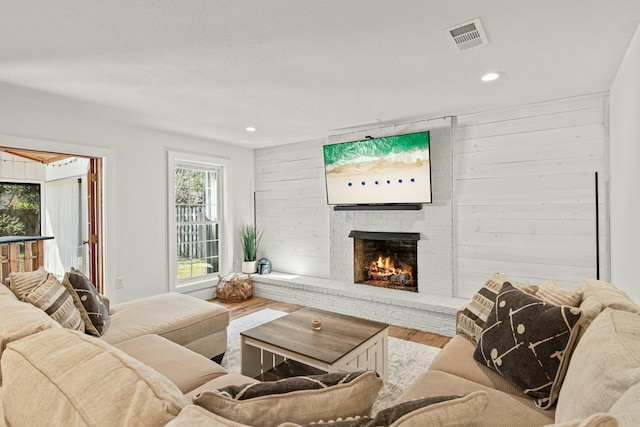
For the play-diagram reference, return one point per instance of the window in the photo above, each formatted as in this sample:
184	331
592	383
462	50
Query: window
196	217
19	209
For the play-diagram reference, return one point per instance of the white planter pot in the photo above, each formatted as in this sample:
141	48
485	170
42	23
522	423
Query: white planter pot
249	267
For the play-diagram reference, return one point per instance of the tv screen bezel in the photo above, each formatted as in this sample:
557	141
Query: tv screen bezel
384	204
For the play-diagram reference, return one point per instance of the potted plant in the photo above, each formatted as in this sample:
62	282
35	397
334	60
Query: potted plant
250	242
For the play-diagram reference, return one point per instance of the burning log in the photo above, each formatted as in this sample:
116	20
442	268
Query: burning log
383	270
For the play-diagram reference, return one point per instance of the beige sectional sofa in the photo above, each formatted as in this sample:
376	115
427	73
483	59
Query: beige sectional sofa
603	374
55	376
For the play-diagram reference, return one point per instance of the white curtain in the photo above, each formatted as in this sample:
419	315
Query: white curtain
63	206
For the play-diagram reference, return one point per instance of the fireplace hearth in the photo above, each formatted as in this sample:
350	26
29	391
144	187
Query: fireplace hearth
388	260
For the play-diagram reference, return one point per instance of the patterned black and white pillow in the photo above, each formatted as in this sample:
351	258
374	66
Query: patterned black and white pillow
88	301
529	342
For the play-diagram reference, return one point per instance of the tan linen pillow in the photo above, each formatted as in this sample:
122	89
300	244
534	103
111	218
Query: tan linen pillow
595	420
23	282
52	298
604	365
66	378
453	411
471	319
20	319
554	294
334	395
626	409
598	295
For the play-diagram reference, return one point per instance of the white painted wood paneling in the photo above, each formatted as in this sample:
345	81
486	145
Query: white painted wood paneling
291	208
19	169
524	193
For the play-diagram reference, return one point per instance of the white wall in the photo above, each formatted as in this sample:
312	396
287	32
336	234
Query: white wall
514	193
136	185
625	172
525	193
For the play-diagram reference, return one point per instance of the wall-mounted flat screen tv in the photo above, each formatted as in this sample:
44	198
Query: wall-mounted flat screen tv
389	170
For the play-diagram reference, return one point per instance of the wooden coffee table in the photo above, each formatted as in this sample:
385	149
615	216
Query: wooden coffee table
344	344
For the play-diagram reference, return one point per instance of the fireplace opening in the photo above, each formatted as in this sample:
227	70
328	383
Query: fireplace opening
388	260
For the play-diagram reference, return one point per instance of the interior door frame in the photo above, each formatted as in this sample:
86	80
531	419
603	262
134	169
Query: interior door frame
107	207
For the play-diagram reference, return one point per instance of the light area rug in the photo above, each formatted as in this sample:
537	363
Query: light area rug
407	360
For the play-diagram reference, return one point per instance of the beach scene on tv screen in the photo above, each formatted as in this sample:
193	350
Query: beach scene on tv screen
393	169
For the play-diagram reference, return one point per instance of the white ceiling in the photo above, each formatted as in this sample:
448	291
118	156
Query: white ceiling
303	69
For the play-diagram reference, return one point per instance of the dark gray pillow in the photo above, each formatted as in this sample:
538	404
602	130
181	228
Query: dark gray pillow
88	301
529	342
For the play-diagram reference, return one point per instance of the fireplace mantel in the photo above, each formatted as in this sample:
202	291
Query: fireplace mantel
383	235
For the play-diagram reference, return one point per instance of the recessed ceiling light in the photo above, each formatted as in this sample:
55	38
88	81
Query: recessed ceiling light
250	129
493	75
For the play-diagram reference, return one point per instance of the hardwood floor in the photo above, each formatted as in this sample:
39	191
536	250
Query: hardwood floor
240	309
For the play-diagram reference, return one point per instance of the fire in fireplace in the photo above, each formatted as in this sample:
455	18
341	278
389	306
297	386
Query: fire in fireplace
384	272
386	260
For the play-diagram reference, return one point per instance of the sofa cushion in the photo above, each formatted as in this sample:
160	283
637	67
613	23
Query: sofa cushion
626	409
88	301
195	416
521	410
598	295
460	411
456	358
185	368
554	294
529	342
63	377
23	281
183	319
52	298
20	319
297	399
470	321
605	364
5	293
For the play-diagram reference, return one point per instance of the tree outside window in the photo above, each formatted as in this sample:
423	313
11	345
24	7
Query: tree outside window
19	209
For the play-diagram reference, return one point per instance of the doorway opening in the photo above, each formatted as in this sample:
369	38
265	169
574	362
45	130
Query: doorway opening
71	207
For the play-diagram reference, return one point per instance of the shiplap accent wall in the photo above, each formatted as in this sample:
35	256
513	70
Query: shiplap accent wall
291	208
524	193
433	222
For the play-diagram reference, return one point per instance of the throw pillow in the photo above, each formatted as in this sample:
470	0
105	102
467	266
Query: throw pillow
296	399
626	409
598	295
465	411
22	282
52	298
554	294
87	299
471	319
529	341
604	366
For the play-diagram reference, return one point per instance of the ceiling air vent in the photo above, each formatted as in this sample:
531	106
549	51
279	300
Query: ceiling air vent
468	35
